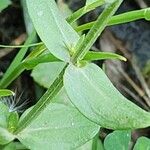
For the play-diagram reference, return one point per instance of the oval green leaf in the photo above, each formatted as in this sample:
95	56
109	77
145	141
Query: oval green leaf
119	140
54	31
94	95
142	143
46	73
5	136
58	127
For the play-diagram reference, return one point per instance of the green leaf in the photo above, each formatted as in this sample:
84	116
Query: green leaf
118	140
13	121
86	146
4	92
94	95
4	4
89	145
142	143
58	127
64	8
97	143
54	31
62	98
45	74
4	114
5	136
96	30
14	146
90	56
88	2
82	11
66	11
121	18
10	146
11	72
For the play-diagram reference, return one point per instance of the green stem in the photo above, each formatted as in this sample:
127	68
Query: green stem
90	56
11	77
96	30
58	83
123	18
21	46
76	15
43	102
10	73
119	19
17	67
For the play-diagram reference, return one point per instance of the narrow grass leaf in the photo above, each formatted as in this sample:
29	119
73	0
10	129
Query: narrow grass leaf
90	5
91	56
88	2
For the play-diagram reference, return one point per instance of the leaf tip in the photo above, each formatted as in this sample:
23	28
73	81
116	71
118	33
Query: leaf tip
123	58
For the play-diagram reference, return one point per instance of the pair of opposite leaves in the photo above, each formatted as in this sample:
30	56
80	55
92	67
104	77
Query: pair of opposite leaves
88	87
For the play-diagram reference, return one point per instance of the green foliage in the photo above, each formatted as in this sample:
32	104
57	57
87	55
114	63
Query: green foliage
46	73
79	98
58	126
5	135
61	37
102	100
4	114
90	1
90	5
142	143
4	92
14	146
118	140
121	18
4	4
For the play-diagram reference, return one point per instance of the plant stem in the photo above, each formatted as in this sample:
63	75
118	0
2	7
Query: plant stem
76	15
119	19
96	30
9	73
43	102
15	70
58	83
123	18
21	46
